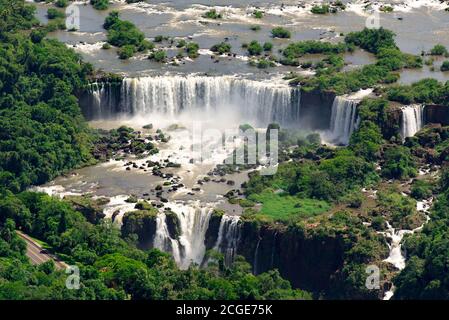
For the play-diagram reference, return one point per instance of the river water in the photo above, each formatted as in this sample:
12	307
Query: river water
419	25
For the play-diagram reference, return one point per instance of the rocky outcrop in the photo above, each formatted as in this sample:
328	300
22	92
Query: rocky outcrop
100	97
433	114
92	209
173	224
141	222
391	127
308	262
212	230
436	114
316	109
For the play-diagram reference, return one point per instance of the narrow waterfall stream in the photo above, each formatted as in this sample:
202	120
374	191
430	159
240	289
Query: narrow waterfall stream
228	237
397	256
164	242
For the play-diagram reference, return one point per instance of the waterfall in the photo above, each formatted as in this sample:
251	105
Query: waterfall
164	242
412	120
101	100
170	96
228	237
343	119
117	207
397	256
193	223
256	255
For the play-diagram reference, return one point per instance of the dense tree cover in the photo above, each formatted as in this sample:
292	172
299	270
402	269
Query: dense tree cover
372	40
267	46
389	60
280	32
112	267
362	247
100	4
366	142
329	180
221	48
398	163
262	63
254	48
424	276
296	50
41	127
192	50
421	189
53	13
158	56
398	209
61	3
325	174
16	15
332	7
438	50
125	35
345	82
424	91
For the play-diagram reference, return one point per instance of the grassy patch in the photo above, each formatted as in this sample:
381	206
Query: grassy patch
281	206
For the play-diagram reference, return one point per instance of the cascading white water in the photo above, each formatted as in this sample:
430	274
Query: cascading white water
259	101
117	207
397	257
190	247
412	120
343	119
164	242
102	104
228	237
